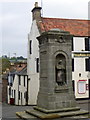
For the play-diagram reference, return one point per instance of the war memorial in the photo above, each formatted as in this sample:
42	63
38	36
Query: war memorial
55	98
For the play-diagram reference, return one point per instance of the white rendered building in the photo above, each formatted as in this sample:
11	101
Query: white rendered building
17	87
80	52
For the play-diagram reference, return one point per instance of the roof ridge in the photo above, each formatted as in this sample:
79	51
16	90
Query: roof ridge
66	18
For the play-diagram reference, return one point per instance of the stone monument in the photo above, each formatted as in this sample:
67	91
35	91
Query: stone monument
55	98
55	71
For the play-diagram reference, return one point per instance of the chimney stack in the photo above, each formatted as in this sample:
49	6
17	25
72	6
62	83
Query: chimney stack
36	4
36	12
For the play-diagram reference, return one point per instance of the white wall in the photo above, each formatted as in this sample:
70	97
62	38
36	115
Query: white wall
79	46
17	88
79	66
79	43
31	64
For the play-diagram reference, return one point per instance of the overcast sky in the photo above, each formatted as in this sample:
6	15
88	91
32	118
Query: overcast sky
16	18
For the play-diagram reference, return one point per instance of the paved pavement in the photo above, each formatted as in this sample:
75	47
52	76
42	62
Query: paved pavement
8	111
84	104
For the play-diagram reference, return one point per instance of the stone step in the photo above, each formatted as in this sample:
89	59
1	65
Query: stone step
42	115
57	110
25	116
73	113
36	113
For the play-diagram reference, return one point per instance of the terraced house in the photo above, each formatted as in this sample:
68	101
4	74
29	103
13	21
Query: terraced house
80	52
17	89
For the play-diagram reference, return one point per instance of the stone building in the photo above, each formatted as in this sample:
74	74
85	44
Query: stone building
0	91
80	51
4	87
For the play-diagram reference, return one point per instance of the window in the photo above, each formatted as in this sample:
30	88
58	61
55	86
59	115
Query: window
87	44
19	95
12	93
13	77
73	85
24	80
25	95
10	80
87	61
72	45
72	65
37	65
30	46
19	80
81	86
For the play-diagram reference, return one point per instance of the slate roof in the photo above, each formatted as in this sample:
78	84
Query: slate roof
76	27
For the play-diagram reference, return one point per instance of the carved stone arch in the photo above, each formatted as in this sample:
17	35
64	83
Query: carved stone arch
60	68
61	52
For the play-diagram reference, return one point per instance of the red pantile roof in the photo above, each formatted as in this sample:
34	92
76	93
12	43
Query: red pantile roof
74	26
18	67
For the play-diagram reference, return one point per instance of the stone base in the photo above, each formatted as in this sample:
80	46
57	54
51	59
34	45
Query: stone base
56	110
68	113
